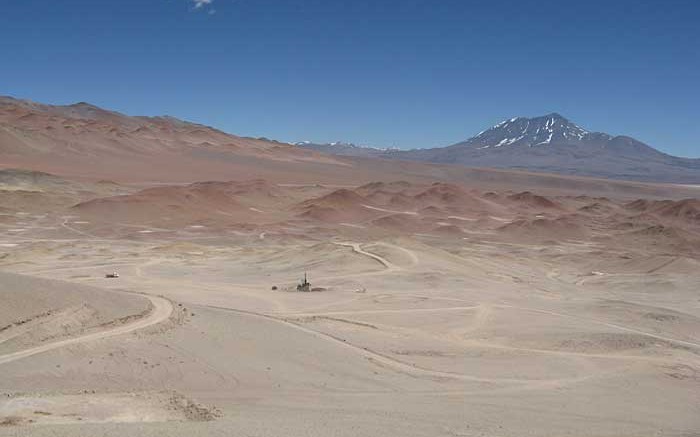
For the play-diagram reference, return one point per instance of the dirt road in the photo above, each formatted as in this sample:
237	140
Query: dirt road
162	309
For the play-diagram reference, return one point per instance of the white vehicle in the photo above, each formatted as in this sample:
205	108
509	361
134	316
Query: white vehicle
112	275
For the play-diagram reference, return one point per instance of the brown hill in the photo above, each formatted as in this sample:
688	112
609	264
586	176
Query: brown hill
342	198
83	140
339	205
687	209
398	198
597	208
437	196
176	205
392	199
87	142
561	228
661	236
34	191
402	223
531	200
391	187
452	196
640	205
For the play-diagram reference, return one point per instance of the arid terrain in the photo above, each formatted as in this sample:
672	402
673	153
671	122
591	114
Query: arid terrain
443	302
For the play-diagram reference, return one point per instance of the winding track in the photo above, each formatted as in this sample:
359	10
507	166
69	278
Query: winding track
389	266
383	261
392	267
376	357
162	308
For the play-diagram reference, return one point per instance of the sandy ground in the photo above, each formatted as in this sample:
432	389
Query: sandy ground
447	324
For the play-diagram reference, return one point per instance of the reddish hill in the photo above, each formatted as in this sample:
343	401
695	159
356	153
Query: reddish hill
596	208
390	187
255	187
174	205
339	205
342	198
452	196
640	205
688	209
392	199
400	223
561	228
668	237
87	141
530	200
414	197
90	143
402	198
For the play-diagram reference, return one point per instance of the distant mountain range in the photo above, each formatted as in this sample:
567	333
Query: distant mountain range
549	143
345	149
88	141
85	140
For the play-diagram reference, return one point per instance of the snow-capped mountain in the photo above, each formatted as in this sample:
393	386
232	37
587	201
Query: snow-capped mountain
538	131
551	143
552	130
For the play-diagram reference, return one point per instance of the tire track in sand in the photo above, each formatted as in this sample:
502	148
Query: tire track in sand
389	266
162	308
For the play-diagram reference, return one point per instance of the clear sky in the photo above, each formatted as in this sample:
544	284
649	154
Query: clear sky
408	73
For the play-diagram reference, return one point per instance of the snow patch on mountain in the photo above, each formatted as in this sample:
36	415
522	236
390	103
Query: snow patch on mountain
530	132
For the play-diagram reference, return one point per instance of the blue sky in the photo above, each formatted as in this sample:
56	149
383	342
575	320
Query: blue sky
404	73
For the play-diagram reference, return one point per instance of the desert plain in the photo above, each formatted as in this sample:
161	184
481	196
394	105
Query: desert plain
443	301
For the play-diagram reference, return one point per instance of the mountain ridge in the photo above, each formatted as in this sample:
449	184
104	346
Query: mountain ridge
88	141
553	144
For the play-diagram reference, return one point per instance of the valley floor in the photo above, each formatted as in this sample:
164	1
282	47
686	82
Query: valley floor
409	336
435	310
